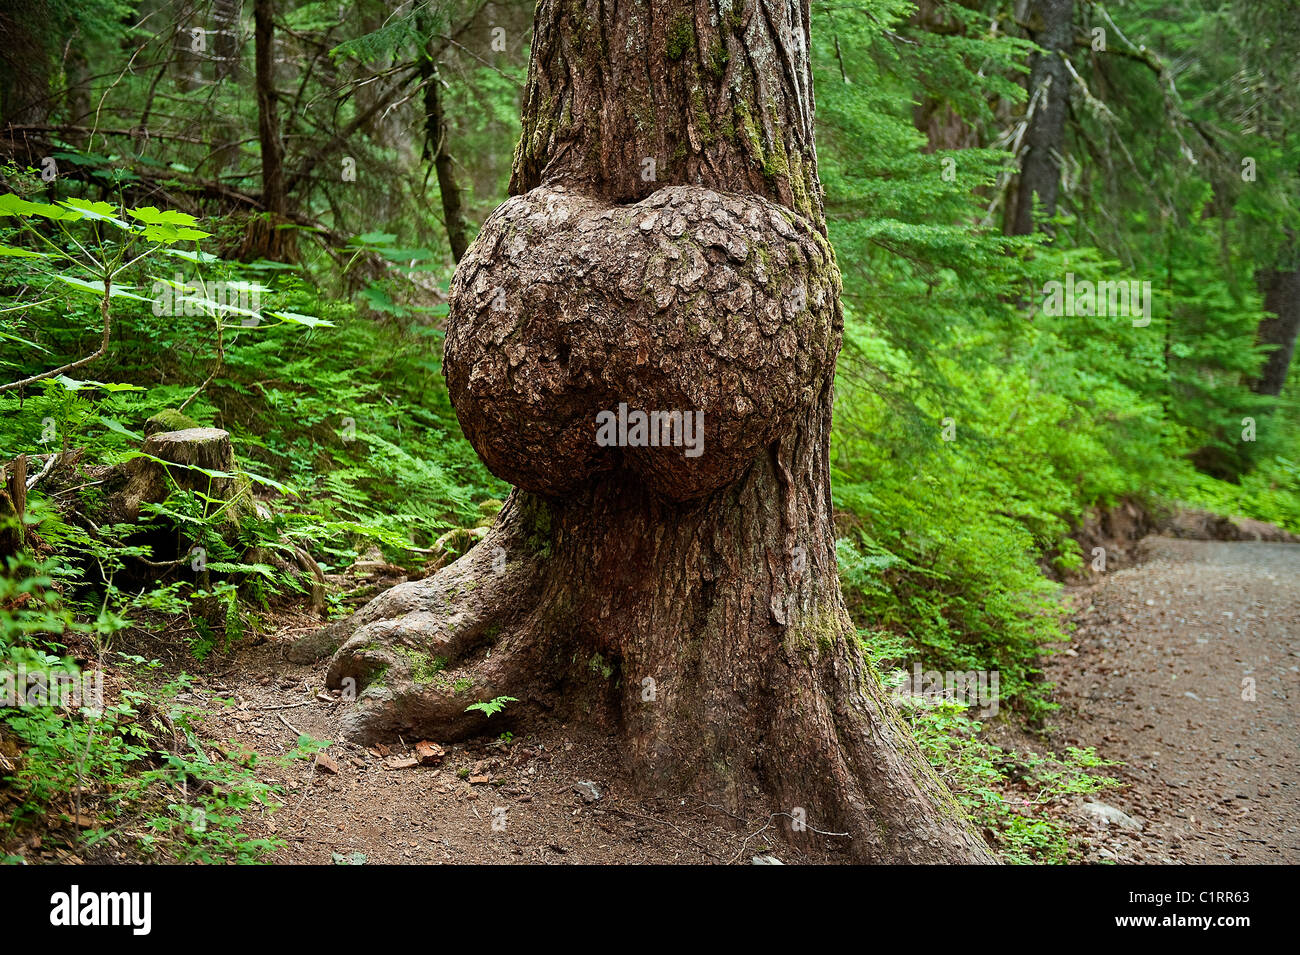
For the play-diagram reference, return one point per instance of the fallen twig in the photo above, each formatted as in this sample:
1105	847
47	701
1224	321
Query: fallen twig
50	463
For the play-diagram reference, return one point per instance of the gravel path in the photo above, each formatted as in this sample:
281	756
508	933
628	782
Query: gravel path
1187	668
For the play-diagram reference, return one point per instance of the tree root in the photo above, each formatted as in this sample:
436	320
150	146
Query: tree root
419	654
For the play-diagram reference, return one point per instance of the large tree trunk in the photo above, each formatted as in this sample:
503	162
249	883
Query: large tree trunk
267	236
1281	288
25	64
689	603
1051	24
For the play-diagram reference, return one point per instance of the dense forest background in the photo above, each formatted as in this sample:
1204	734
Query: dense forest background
330	162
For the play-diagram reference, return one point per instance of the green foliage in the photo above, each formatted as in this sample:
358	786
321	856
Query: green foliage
1014	798
973	426
87	754
349	429
491	707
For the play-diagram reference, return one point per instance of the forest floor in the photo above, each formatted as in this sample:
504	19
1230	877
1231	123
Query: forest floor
1153	678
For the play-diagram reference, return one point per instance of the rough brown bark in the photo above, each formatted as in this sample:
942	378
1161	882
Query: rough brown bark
691	604
25	64
1281	288
13	507
1052	28
435	149
267	236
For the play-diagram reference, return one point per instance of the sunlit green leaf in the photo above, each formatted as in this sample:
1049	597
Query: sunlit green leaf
21	253
297	319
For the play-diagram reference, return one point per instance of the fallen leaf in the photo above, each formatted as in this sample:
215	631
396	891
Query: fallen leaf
429	754
326	764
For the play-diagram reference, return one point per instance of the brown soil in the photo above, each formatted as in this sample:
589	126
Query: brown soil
1158	676
445	814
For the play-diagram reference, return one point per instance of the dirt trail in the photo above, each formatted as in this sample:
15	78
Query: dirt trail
1154	678
1188	670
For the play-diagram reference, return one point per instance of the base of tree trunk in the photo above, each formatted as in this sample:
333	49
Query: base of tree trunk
268	236
675	627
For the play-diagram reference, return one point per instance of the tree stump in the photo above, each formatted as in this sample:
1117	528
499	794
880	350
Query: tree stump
151	481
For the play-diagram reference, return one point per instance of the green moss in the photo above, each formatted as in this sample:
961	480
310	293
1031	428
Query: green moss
801	184
814	628
777	162
737	17
681	37
598	664
703	122
169	419
750	130
727	130
538	517
424	668
718	58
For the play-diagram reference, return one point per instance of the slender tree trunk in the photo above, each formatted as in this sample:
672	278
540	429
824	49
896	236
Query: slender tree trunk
226	38
935	116
227	53
186	62
1281	288
664	248
1052	28
266	238
435	148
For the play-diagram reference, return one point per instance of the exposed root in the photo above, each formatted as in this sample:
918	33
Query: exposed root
417	655
550	609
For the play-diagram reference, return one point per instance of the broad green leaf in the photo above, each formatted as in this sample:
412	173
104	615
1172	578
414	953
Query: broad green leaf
114	425
97	288
222	567
21	253
282	488
24	341
12	205
191	256
72	384
97	211
309	320
210	472
151	215
83	159
215	306
164	234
